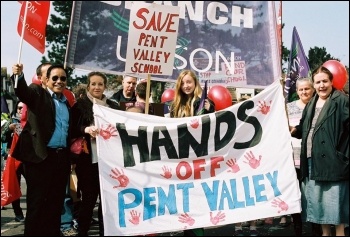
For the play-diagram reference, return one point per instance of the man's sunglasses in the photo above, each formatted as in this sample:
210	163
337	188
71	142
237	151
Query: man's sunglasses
55	78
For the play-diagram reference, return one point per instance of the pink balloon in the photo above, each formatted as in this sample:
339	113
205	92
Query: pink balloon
168	95
221	96
338	70
35	80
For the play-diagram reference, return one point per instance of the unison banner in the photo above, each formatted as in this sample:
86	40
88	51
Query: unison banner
162	174
230	43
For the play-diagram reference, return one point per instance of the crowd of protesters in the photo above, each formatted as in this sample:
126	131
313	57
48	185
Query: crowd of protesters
319	119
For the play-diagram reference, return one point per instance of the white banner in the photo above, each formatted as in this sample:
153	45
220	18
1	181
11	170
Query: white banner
152	48
162	174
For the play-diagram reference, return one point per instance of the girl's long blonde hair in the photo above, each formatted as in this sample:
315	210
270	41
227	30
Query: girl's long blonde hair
182	105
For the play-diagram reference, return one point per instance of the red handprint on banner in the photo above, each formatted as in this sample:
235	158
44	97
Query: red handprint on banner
185	218
119	175
167	172
252	161
108	132
232	163
263	107
194	123
277	202
218	218
135	217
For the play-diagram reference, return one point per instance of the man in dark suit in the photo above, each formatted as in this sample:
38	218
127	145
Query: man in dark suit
43	149
127	94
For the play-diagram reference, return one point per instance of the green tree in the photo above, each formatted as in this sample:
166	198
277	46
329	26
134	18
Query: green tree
318	56
57	32
285	56
57	36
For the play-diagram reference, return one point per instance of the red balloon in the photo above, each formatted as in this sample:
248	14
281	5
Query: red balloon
221	96
338	70
168	95
35	80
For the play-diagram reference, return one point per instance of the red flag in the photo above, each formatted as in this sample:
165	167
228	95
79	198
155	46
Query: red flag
10	188
279	29
35	23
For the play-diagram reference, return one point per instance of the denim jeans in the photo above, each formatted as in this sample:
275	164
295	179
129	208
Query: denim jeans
67	211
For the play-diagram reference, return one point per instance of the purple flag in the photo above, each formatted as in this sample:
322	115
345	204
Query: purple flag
202	101
298	67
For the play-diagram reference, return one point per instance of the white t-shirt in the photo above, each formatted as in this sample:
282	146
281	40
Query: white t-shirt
294	116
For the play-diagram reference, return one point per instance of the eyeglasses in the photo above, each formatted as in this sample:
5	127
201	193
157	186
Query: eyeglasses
20	107
55	78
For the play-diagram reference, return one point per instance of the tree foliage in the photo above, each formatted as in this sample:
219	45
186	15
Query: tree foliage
57	31
317	56
57	36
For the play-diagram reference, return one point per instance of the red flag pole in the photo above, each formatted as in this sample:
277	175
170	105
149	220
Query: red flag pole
279	28
21	41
